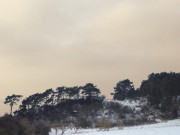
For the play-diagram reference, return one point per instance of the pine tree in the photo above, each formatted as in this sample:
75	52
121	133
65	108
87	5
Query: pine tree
90	91
12	100
123	90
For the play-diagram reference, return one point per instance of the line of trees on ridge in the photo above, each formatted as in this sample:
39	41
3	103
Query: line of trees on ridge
161	89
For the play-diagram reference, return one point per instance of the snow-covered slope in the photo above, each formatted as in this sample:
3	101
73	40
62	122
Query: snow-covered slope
165	128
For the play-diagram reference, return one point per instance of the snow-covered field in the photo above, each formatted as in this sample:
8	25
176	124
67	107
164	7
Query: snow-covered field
164	128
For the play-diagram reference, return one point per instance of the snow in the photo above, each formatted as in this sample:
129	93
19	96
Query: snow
133	104
164	128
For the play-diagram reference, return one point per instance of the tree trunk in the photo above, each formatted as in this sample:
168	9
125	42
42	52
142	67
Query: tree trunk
175	111
11	110
52	101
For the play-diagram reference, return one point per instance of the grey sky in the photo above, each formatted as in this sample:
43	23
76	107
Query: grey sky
45	43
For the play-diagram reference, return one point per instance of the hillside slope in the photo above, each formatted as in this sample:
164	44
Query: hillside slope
165	128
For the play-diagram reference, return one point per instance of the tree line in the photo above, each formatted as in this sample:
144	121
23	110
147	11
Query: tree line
52	97
161	89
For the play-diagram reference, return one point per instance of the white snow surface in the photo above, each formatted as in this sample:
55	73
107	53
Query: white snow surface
171	127
133	104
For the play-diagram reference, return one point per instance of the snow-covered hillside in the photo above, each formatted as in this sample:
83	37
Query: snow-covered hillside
130	111
164	128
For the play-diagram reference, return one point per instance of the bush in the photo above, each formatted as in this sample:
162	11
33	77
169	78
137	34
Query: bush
42	128
15	126
19	126
3	131
120	124
60	126
84	123
104	124
130	122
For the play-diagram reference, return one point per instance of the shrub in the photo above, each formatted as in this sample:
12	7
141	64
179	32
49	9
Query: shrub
60	125
104	124
3	131
42	128
84	123
19	126
15	126
120	124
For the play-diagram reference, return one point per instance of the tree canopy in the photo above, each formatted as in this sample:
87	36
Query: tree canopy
12	100
124	89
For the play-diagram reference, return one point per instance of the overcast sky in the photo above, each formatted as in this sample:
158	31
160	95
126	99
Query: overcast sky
50	43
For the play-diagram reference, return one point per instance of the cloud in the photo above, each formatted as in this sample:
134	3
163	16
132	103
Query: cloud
48	43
